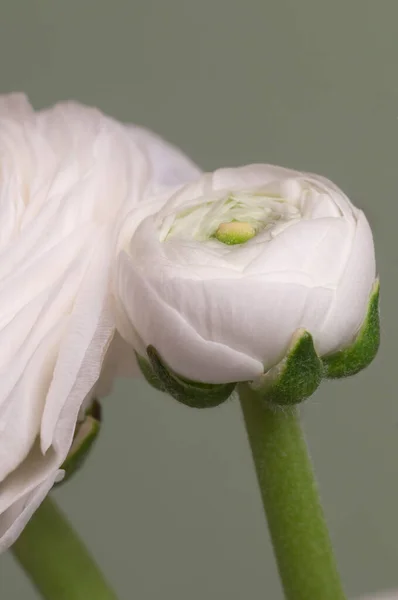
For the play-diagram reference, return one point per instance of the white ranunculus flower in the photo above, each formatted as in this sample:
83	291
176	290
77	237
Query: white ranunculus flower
68	177
220	275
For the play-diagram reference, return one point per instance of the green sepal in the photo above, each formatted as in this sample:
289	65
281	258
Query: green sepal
295	377
362	351
86	433
148	373
191	393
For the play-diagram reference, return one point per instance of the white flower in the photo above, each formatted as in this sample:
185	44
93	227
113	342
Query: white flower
220	275
68	177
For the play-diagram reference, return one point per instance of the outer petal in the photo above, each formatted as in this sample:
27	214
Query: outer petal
169	165
251	176
183	348
219	331
32	335
21	421
82	351
352	294
253	316
23	491
318	248
14	519
16	106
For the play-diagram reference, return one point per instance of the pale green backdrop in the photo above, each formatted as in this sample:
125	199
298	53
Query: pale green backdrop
168	502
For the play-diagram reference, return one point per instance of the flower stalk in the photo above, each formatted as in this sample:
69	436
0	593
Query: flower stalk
56	560
295	517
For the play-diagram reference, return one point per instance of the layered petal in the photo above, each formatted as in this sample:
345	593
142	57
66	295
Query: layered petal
170	167
24	490
349	306
183	348
69	176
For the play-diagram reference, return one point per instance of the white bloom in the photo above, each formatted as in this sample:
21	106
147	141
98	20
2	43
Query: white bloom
220	313
68	177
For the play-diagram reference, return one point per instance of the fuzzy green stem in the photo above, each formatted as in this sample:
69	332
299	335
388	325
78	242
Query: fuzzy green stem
295	517
56	560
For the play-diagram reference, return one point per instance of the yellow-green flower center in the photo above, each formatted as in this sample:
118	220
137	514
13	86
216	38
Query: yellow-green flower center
235	232
230	218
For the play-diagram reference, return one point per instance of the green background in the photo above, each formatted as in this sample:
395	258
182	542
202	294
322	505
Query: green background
168	502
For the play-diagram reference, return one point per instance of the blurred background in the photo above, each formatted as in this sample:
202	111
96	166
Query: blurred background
168	502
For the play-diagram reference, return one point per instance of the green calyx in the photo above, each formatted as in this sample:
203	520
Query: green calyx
362	351
295	378
300	372
149	373
86	433
191	393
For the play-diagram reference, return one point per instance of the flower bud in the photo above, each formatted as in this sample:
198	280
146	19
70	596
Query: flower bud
258	274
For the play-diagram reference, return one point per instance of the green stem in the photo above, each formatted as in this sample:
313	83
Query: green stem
56	560
295	518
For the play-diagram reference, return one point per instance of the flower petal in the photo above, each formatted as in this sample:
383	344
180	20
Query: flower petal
183	348
169	165
318	248
253	316
351	298
82	350
22	492
20	422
